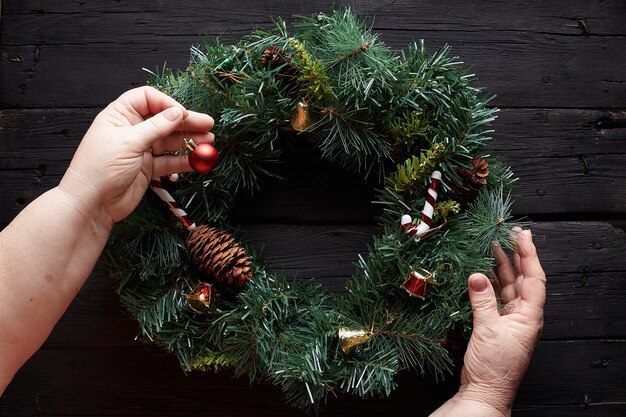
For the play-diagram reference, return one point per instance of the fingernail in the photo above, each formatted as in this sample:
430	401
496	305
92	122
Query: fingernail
172	114
478	283
526	232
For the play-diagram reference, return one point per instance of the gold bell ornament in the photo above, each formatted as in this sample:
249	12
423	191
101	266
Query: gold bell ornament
350	338
302	118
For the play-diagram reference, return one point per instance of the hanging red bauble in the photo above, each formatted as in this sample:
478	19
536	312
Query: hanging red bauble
203	158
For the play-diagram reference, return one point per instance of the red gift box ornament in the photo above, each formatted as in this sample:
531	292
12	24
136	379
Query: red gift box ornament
202	298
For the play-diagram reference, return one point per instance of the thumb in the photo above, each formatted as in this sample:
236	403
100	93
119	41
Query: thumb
158	126
483	299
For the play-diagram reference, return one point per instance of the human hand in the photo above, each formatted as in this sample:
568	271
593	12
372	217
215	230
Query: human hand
503	339
122	150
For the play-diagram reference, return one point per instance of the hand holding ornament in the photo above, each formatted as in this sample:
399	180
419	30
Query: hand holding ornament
123	149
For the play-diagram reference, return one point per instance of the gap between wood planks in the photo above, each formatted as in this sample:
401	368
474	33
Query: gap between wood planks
584	17
241	32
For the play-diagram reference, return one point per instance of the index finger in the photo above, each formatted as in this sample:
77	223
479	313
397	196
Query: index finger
505	273
533	288
197	122
148	101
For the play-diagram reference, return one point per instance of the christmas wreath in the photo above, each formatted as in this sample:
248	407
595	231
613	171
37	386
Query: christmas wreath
198	292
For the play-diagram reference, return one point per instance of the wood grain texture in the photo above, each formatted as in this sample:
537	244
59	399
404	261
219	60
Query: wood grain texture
559	17
557	53
570	71
140	382
558	71
568	160
150	383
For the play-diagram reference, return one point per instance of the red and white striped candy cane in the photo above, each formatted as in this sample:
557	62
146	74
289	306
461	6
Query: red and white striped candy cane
159	189
427	214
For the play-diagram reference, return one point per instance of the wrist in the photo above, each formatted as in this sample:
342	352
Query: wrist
464	405
497	401
86	203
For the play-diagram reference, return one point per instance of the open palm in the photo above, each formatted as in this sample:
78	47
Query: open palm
504	337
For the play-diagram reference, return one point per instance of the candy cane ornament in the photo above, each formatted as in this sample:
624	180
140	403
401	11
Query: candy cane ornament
427	214
157	186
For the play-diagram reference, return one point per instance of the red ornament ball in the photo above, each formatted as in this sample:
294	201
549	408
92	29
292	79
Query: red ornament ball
203	158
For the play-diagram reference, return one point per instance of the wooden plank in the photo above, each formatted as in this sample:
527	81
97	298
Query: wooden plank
46	137
568	161
566	72
36	80
559	56
559	132
540	132
547	186
59	28
585	304
584	409
555	373
585	263
587	17
146	382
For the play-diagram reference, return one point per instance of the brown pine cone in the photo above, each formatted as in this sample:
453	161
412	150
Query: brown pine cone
275	57
217	253
473	180
480	168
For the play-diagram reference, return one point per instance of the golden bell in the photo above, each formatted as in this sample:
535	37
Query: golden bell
349	338
302	118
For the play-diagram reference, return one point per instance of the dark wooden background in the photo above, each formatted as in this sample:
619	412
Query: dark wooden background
559	71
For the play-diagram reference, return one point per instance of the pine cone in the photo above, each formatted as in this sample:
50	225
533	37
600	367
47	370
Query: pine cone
480	168
275	57
216	252
474	180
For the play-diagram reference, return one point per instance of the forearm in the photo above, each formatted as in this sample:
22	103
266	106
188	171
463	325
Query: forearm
46	254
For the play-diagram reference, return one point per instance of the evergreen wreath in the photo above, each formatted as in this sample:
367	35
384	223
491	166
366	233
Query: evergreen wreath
206	298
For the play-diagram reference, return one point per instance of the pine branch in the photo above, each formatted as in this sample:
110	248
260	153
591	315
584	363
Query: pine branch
213	361
487	220
372	377
411	175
